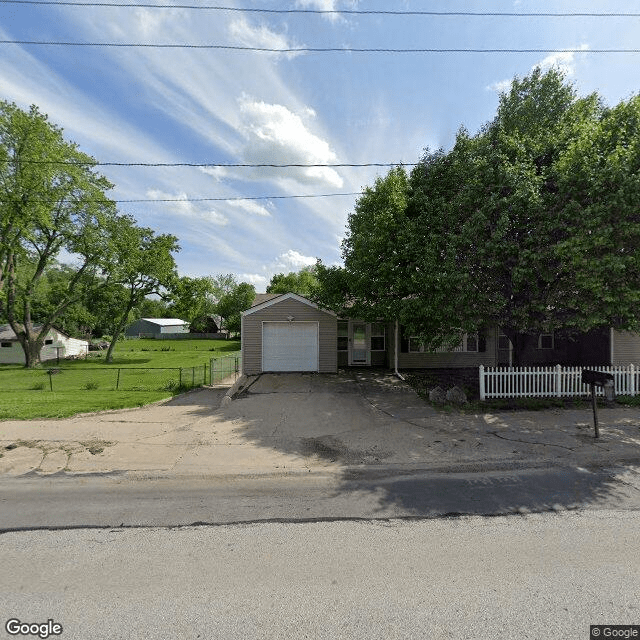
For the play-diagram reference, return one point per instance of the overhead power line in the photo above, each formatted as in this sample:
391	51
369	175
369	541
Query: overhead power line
223	199
225	47
359	12
215	164
236	198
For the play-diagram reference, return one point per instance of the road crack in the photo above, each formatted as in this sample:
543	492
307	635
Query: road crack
543	444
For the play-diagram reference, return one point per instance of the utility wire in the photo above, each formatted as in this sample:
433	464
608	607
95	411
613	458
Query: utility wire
228	199
210	164
510	14
224	47
236	198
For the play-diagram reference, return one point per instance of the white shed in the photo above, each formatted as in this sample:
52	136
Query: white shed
56	344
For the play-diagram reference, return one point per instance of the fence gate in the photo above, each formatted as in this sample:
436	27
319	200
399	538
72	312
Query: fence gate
225	367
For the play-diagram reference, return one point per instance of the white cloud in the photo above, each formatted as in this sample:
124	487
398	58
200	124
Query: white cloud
217	173
276	135
84	120
321	5
292	260
261	37
564	61
254	278
181	206
149	22
500	87
199	93
250	206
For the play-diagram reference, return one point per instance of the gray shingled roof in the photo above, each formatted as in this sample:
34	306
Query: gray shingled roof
7	333
263	297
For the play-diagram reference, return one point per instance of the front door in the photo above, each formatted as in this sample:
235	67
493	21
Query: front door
359	352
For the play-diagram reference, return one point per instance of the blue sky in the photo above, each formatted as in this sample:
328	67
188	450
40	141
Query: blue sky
220	106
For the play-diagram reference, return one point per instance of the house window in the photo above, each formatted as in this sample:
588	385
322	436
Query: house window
469	343
48	341
377	337
6	345
504	342
545	341
343	335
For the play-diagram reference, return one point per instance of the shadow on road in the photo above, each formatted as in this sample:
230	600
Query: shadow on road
387	459
501	492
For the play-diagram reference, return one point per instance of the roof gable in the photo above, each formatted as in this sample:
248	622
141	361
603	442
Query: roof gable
276	299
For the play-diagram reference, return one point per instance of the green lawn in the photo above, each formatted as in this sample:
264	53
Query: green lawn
142	371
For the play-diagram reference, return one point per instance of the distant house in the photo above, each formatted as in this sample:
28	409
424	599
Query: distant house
287	332
204	325
56	345
156	327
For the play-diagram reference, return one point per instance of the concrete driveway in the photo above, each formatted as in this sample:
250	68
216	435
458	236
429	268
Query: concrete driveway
310	423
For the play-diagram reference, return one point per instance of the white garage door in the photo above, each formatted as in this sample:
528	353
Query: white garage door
289	346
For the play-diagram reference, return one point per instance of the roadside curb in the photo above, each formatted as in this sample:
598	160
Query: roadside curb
347	473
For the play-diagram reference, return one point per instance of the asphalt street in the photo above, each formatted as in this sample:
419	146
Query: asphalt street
114	500
320	507
531	577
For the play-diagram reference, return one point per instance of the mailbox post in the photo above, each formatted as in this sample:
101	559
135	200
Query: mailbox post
598	379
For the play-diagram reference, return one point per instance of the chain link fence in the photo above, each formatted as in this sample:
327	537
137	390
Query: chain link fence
105	379
226	367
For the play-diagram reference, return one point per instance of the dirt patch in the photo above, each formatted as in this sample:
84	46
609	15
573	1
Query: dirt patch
333	450
94	447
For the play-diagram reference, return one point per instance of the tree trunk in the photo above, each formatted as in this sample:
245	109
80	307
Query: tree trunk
31	350
109	357
116	334
516	342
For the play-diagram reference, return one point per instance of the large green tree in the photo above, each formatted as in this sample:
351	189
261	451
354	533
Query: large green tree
193	299
532	224
51	201
303	282
144	265
373	282
232	304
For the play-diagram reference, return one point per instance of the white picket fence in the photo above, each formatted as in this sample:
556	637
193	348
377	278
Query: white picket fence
544	382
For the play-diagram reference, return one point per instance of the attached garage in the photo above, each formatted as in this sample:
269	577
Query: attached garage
290	346
288	333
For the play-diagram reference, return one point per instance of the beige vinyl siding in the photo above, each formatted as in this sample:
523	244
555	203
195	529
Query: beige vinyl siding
279	312
626	348
445	360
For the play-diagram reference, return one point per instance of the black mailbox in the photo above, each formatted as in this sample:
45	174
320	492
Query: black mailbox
599	378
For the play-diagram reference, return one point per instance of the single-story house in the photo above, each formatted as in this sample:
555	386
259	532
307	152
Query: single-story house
287	332
57	344
156	327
